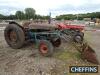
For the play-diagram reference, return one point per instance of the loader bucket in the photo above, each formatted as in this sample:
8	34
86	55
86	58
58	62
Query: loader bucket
89	54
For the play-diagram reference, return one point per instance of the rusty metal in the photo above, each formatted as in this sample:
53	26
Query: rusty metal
33	25
13	36
42	26
87	52
26	24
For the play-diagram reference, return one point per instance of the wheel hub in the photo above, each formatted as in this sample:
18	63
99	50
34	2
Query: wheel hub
78	38
43	48
13	36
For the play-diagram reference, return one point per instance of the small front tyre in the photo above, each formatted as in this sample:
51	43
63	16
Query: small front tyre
45	48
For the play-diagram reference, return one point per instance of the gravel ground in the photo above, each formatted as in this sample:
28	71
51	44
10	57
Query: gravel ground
92	37
28	61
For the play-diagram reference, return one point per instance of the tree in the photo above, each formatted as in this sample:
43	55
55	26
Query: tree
1	16
12	17
20	15
30	13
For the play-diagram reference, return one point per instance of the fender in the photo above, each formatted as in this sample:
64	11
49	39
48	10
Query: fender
13	22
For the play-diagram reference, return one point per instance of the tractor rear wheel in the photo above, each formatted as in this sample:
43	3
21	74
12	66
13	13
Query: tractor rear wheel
45	48
14	36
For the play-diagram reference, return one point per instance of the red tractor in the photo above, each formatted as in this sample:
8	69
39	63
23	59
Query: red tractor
75	31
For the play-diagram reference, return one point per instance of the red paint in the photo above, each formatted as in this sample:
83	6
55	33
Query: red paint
67	26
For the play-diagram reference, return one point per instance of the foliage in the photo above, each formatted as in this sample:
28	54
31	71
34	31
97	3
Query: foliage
79	16
20	15
30	13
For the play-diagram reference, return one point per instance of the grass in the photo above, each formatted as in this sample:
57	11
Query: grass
66	55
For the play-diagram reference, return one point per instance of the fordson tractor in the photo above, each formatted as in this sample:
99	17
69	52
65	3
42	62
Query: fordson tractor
46	36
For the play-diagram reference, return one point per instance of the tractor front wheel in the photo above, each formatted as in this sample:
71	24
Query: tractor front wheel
45	48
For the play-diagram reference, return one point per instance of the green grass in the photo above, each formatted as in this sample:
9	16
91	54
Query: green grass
65	55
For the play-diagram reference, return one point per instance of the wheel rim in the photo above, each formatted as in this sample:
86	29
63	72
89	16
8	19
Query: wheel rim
13	36
43	48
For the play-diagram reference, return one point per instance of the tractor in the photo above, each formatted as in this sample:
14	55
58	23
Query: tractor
46	36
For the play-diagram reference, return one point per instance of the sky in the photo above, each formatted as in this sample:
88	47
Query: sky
56	7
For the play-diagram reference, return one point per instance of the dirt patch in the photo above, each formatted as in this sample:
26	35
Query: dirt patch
28	61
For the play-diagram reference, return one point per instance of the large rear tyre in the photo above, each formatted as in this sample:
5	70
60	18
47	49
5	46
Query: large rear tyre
14	36
45	48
